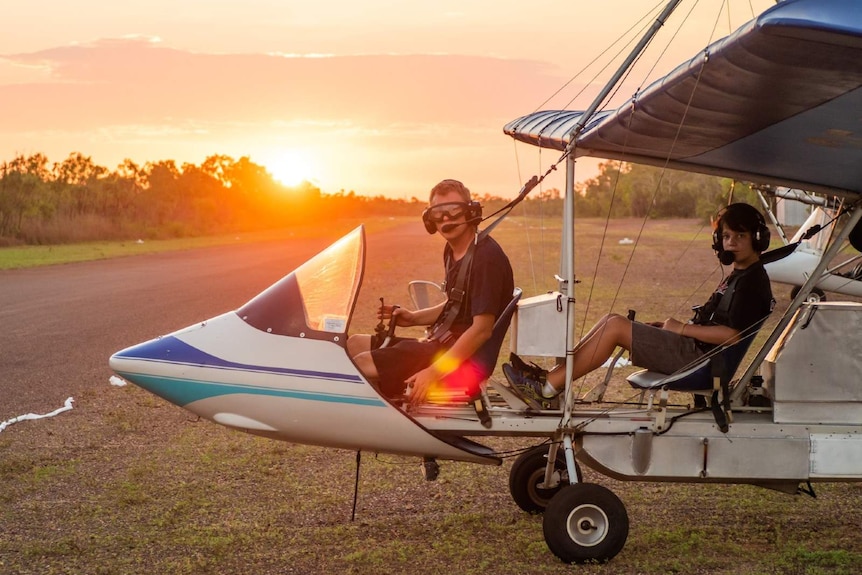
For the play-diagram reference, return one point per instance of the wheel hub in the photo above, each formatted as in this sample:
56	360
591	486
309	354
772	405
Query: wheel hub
587	525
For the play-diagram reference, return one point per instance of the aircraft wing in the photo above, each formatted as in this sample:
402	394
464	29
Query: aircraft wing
779	101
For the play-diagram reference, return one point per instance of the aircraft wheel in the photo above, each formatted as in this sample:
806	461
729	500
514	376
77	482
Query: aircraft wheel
528	474
585	522
815	295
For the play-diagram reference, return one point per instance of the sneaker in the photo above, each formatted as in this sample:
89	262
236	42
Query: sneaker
531	370
528	388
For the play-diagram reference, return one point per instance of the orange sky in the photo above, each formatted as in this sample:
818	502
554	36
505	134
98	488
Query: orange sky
378	96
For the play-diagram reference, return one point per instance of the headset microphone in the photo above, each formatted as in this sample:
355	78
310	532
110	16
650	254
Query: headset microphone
725	257
446	228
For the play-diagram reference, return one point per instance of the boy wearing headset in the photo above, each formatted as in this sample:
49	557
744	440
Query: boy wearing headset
458	331
740	235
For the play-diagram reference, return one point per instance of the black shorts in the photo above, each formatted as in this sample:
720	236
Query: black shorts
661	350
402	358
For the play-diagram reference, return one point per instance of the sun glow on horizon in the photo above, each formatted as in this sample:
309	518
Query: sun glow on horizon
292	166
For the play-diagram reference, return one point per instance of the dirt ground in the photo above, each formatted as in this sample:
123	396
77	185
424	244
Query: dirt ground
127	483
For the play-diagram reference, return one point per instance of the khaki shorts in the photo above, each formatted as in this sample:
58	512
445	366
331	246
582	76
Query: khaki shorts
661	350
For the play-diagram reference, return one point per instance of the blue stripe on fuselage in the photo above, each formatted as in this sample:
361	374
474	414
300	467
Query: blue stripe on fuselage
169	349
185	391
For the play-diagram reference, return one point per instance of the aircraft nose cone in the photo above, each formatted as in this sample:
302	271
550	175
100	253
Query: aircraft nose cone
159	366
158	349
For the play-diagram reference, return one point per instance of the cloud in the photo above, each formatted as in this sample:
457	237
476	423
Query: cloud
137	80
377	122
15	72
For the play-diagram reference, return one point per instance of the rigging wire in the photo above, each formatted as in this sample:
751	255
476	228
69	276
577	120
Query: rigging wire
616	185
662	175
596	59
670	41
750	331
664	168
717	20
729	19
644	19
620	168
525	216
541	221
645	22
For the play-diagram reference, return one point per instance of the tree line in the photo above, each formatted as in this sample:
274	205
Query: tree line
77	200
630	190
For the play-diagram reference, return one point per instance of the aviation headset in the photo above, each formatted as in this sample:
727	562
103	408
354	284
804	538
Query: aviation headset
473	213
751	219
855	237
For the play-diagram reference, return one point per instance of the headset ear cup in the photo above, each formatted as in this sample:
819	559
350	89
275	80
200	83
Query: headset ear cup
763	238
763	235
474	210
430	226
855	237
717	244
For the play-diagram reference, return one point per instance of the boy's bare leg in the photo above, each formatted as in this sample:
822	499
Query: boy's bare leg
595	348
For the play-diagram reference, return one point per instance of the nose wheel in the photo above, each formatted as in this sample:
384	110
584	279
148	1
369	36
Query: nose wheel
527	479
585	522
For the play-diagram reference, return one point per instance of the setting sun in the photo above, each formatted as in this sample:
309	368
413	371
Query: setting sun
291	167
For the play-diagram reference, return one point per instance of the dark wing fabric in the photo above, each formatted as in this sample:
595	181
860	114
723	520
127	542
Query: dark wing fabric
778	101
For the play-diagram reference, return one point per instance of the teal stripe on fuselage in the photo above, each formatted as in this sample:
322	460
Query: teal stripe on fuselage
185	391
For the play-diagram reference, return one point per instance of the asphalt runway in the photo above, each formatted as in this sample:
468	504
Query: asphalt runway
60	324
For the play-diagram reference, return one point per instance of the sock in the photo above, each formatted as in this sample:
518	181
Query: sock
549	390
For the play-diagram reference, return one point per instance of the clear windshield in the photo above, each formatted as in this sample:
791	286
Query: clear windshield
329	282
315	299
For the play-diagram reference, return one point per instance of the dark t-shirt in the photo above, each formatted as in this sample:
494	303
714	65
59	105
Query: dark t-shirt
490	291
491	283
667	352
751	300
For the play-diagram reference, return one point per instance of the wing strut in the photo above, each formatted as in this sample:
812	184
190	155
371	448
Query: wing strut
568	255
568	259
635	53
831	252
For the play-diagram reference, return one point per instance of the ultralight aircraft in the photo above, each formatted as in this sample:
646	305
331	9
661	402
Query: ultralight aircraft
776	102
842	277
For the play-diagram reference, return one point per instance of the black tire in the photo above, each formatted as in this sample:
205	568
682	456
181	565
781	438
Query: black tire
528	472
585	523
815	295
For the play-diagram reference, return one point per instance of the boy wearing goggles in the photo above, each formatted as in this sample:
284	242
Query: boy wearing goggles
421	364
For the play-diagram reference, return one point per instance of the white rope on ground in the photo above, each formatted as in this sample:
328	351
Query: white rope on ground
621	362
26	416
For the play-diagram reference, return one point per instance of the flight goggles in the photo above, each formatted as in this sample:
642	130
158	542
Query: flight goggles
451	210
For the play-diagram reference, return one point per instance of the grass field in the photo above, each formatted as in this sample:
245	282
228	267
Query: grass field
33	256
139	486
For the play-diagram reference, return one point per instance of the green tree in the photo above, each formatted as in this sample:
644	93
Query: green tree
161	195
632	190
75	182
601	196
19	198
